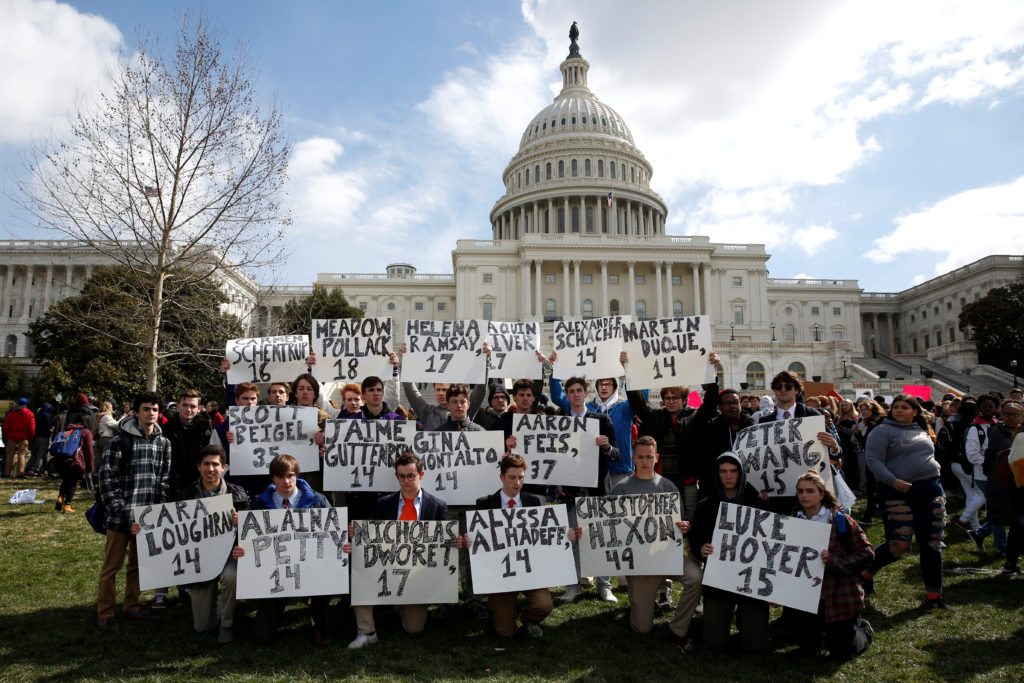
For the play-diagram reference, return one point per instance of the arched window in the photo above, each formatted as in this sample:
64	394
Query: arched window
641	310
677	309
632	174
611	169
527	177
561	168
561	220
536	173
549	310
547	171
755	375
575	168
613	307
789	332
600	168
11	345
588	308
798	369
586	167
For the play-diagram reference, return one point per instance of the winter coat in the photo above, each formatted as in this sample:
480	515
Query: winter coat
239	498
142	481
19	425
186	441
850	551
308	498
621	415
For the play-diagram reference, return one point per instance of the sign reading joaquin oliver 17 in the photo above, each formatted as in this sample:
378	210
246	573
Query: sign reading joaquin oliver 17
184	542
667	352
770	557
292	553
352	349
589	348
267	359
445	351
460	466
558	449
404	562
630	535
360	454
514	349
263	432
776	454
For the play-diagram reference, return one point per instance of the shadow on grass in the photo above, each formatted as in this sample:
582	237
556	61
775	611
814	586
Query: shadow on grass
951	658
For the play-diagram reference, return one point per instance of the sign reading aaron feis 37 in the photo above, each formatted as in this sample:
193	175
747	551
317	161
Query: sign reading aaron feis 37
404	562
558	449
776	454
667	352
445	351
589	348
352	349
266	359
630	535
263	432
360	454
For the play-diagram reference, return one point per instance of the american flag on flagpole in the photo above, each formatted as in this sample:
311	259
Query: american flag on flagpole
151	192
610	200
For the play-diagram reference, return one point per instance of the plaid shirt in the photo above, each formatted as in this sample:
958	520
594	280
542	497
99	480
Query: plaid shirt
842	596
143	482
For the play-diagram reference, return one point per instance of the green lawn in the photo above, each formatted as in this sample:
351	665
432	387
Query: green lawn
50	563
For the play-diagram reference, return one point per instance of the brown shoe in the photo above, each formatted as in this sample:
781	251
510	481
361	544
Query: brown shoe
67	508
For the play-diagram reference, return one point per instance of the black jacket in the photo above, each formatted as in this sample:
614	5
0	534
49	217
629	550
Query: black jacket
432	508
186	440
672	438
239	498
493	501
705	518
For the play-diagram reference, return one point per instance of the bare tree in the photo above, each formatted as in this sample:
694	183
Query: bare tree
176	171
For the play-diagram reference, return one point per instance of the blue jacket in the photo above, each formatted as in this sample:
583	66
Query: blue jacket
308	498
621	416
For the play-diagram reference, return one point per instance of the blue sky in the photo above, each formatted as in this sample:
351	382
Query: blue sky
872	140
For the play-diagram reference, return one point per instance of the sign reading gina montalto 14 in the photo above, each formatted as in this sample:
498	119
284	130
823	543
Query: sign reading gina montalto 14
514	349
266	359
445	351
184	542
630	535
776	454
460	466
263	432
558	449
360	454
352	349
667	352
589	348
404	562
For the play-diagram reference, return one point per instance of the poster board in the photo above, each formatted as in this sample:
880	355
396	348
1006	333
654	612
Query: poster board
514	347
630	535
266	359
558	449
445	351
460	466
667	352
776	454
588	348
360	454
404	563
263	432
352	349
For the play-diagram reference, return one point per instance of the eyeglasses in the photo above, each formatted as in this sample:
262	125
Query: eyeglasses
782	386
408	477
606	384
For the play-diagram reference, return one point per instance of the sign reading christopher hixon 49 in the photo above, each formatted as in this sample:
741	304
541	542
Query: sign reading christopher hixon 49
352	349
558	449
514	349
776	454
404	563
460	466
184	542
667	352
361	454
263	432
445	351
630	535
292	553
267	359
589	348
519	549
770	557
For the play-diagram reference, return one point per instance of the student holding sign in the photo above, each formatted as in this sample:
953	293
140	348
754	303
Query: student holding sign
456	397
305	393
431	417
246	394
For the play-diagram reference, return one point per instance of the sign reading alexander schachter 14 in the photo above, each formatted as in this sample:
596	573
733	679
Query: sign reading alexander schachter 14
589	348
360	454
352	349
266	359
404	562
445	351
630	535
262	433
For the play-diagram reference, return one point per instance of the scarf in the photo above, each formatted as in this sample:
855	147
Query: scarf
216	492
604	406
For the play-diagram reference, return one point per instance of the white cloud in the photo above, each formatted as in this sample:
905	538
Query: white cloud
52	55
963	227
812	238
326	196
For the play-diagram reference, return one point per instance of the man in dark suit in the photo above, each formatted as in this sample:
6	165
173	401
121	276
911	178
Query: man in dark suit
409	503
504	606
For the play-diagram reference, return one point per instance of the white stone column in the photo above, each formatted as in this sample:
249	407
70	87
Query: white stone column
578	310
568	216
669	308
632	287
536	215
524	274
26	288
47	290
613	219
552	225
270	320
696	288
522	220
583	214
604	289
8	300
599	216
892	335
659	310
705	288
538	295
566	301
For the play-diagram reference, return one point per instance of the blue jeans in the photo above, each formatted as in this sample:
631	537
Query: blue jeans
920	513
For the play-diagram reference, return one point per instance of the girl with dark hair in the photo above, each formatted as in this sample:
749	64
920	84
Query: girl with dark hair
870	415
305	391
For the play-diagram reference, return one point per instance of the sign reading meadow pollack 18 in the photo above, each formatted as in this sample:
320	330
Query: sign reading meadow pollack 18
460	466
267	359
361	454
630	535
184	542
558	449
667	352
514	349
770	557
404	563
264	432
352	349
291	553
776	454
589	348
445	351
520	549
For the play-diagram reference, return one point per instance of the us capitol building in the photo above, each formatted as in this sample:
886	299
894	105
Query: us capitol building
579	233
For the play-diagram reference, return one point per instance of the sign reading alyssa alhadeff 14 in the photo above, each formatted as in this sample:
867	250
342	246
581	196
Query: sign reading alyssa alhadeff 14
520	549
514	349
267	359
667	352
360	454
184	542
263	432
292	553
404	562
460	466
630	535
776	454
558	449
352	349
770	557
589	348
449	351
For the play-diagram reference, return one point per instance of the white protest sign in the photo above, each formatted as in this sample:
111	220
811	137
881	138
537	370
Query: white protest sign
776	454
630	535
558	449
292	553
520	549
589	348
267	359
444	351
352	349
184	542
361	454
263	432
460	466
405	563
770	557
667	352
514	349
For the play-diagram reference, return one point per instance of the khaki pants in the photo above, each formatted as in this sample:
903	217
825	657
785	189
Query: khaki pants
208	605
505	606
414	618
119	544
17	455
643	591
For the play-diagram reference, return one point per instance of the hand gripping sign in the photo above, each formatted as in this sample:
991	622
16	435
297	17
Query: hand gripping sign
667	352
352	349
404	563
266	359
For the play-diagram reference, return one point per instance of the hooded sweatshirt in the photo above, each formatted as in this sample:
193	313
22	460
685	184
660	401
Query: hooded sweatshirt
767	405
705	517
901	451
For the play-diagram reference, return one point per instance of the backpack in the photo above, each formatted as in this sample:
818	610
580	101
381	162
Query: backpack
67	443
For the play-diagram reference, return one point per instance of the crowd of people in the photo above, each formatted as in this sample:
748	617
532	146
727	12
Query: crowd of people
904	456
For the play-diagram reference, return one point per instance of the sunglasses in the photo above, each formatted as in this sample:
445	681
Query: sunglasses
782	386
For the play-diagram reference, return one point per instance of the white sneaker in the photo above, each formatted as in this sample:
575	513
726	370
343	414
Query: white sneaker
362	640
534	630
570	594
604	593
664	600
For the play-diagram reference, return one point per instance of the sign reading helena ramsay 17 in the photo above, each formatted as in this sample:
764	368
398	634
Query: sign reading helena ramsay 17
445	351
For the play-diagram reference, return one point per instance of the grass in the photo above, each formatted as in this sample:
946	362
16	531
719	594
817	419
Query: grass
50	564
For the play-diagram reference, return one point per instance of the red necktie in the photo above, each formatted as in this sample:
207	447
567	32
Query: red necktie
511	502
408	510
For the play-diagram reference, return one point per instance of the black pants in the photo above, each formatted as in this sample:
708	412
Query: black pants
70	474
842	639
271	610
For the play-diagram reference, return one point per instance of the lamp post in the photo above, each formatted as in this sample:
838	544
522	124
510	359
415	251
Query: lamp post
873	347
773	331
817	332
845	359
732	331
1013	364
